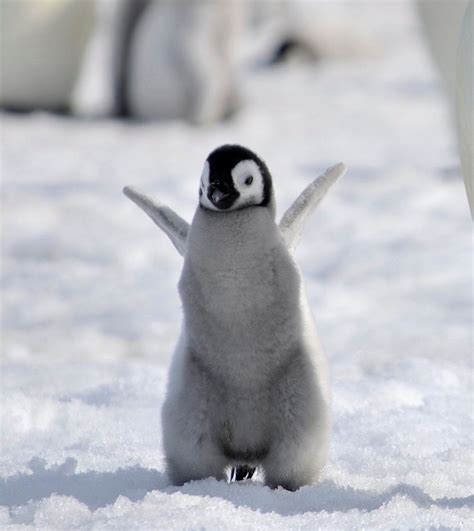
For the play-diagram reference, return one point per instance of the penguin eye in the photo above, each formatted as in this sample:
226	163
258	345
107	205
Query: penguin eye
249	180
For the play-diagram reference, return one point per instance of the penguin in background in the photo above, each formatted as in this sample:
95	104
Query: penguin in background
176	59
464	100
441	22
248	385
42	45
313	32
448	28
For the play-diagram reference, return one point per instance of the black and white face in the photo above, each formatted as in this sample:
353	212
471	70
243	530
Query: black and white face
233	178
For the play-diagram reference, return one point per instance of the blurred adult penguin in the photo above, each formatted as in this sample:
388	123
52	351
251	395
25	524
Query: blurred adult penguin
42	43
309	32
441	22
447	25
464	97
176	59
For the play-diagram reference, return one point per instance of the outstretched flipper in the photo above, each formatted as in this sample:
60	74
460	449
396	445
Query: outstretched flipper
175	227
294	219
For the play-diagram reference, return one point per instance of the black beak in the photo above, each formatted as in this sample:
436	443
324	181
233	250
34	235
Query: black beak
221	199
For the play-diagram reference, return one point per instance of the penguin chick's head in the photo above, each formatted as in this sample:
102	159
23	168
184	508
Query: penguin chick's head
234	177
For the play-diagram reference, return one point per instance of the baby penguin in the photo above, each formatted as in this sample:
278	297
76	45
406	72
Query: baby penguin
248	385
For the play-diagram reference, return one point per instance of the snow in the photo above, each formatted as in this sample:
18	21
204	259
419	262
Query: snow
90	311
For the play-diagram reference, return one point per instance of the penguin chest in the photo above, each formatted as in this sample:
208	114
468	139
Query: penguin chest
242	317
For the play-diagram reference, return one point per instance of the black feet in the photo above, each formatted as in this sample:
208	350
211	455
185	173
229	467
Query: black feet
241	472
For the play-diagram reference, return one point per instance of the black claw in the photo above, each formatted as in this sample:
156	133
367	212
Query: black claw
244	472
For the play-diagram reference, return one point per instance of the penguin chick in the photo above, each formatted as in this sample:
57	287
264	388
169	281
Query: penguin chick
248	384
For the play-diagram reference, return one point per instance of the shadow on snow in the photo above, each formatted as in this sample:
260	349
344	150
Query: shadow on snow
98	489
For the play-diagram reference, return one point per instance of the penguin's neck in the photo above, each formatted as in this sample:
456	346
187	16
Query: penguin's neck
219	239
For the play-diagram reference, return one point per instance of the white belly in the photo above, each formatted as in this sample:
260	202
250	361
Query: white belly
464	103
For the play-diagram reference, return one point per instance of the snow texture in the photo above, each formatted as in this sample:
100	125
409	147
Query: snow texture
90	310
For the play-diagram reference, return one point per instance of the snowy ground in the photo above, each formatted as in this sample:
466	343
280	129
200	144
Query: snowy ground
91	312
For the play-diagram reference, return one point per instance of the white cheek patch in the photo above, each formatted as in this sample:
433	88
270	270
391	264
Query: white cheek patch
203	186
252	194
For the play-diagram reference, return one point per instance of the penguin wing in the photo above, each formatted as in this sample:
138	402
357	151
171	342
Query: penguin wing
175	227
294	219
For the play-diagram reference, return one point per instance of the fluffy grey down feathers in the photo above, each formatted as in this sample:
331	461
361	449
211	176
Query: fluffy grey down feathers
248	382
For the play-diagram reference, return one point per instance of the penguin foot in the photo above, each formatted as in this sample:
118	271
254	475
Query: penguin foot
241	472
